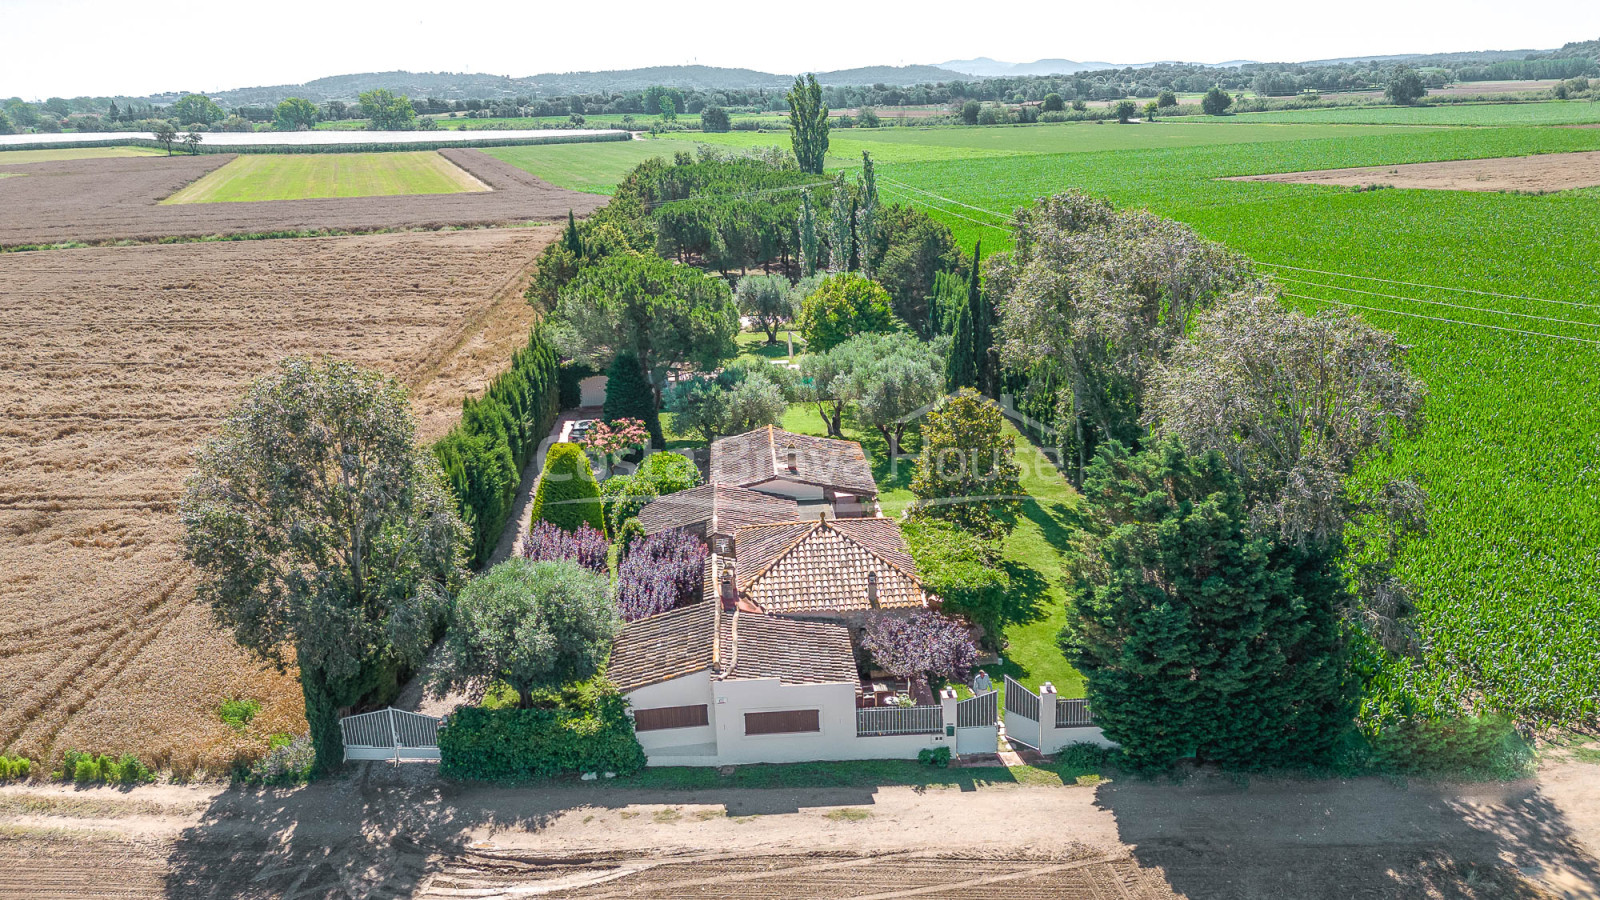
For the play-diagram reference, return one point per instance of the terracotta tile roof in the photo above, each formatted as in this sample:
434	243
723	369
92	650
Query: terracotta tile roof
794	652
749	459
663	647
732	646
722	507
825	566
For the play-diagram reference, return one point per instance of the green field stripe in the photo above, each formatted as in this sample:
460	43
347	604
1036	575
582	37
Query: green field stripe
302	176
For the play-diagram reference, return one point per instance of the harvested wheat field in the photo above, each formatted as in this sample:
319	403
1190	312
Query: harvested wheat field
102	200
1546	172
119	362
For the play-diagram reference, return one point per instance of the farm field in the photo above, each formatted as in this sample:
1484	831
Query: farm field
1509	574
120	363
305	176
94	200
1544	112
598	168
14	157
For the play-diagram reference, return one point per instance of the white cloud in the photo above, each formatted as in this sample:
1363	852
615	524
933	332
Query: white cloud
75	47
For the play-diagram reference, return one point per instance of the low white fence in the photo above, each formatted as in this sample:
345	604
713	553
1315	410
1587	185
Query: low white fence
891	720
390	734
1073	714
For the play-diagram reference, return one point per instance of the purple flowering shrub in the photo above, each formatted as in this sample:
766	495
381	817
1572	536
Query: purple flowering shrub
661	571
546	541
921	644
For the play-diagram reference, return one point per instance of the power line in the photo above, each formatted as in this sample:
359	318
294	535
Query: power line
1396	312
1432	286
949	212
1482	309
1007	219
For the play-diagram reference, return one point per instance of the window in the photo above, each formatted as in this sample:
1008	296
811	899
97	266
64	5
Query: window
789	721
669	717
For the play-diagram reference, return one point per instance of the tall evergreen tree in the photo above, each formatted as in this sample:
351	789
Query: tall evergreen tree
808	123
111	115
573	240
867	215
961	369
630	396
1197	636
981	313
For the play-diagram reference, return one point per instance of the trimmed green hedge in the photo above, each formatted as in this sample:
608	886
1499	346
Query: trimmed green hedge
493	744
483	457
567	495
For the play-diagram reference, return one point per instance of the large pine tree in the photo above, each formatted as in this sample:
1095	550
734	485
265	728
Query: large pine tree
1197	637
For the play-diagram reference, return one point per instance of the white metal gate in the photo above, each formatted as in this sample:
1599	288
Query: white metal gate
390	734
1022	715
978	724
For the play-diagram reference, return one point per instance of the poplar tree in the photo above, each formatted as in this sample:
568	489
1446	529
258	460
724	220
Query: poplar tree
571	239
981	315
841	229
808	123
867	215
810	240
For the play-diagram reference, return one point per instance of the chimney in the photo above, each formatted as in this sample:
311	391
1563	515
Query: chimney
730	596
792	460
872	589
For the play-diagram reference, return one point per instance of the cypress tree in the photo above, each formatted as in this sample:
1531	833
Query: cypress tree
629	395
982	316
867	215
572	240
1195	635
810	240
960	369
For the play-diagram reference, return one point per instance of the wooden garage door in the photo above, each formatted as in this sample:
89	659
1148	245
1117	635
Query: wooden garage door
669	717
788	721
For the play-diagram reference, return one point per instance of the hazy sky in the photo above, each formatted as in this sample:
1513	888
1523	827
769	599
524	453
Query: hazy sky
73	47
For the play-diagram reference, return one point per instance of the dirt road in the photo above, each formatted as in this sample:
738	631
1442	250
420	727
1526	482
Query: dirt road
384	833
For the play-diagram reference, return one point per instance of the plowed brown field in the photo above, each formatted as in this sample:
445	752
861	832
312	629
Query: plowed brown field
96	200
117	363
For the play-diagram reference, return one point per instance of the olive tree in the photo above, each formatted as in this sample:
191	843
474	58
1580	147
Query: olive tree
324	537
1294	402
1102	296
765	298
534	625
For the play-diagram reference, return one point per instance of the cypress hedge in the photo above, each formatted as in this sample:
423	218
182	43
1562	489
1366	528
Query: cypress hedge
483	456
567	495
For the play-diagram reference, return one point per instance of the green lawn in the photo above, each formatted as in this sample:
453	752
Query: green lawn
14	157
299	176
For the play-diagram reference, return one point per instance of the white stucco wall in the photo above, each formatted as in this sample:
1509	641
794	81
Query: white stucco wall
728	701
592	391
784	488
690	690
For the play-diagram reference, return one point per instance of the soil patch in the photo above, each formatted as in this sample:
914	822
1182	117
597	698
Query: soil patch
387	832
107	199
1542	173
119	362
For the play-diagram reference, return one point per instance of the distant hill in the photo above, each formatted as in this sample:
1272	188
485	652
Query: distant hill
984	67
468	86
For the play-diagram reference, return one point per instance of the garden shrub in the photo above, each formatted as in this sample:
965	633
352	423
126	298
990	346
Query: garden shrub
965	571
567	495
629	395
1481	747
586	546
661	571
660	474
15	768
89	768
588	734
483	457
938	757
288	761
237	713
1084	755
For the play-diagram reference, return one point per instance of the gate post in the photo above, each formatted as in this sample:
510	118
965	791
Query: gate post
394	736
947	710
1049	742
